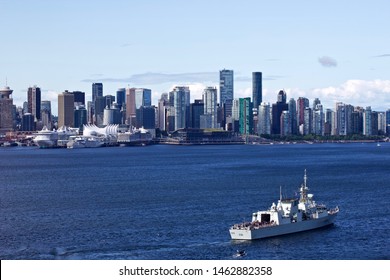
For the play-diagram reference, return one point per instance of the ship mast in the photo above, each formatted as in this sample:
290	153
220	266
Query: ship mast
304	189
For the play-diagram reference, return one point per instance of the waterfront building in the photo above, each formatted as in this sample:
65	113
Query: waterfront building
226	91
6	108
277	109
318	118
307	126
80	117
146	117
91	113
343	119
34	102
246	117
162	112
285	123
65	109
381	123
374	123
388	122
181	106
111	115
302	103
100	105
264	119
367	121
46	115
292	108
130	107
97	91
210	106
328	122
28	123
257	89
196	110
357	121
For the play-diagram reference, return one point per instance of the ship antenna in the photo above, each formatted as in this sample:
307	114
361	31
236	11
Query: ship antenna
280	194
305	179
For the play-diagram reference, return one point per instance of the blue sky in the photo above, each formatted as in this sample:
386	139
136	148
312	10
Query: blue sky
333	50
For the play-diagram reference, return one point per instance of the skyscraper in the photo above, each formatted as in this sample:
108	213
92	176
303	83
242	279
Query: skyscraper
292	108
210	106
285	123
6	104
130	107
46	115
196	110
302	103
226	91
246	116
181	106
80	117
121	97
264	119
97	90
277	110
257	89
388	122
34	102
65	109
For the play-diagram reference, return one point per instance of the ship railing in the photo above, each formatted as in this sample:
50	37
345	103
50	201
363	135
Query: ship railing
253	225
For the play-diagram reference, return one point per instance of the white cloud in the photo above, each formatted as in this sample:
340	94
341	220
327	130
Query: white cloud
374	93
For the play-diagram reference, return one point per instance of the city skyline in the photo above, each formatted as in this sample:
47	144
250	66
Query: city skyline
333	51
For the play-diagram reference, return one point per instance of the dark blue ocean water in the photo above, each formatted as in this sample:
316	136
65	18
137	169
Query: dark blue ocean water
173	202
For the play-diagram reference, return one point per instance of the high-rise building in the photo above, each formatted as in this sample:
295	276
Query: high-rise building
146	117
357	121
46	115
6	105
210	106
388	122
196	110
374	123
285	123
121	98
80	117
343	119
79	98
181	106
292	108
135	98
34	102
28	123
381	123
226	91
257	89
65	109
302	103
246	116
111	115
97	91
318	118
277	110
143	97
307	126
328	122
162	112
130	107
264	119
